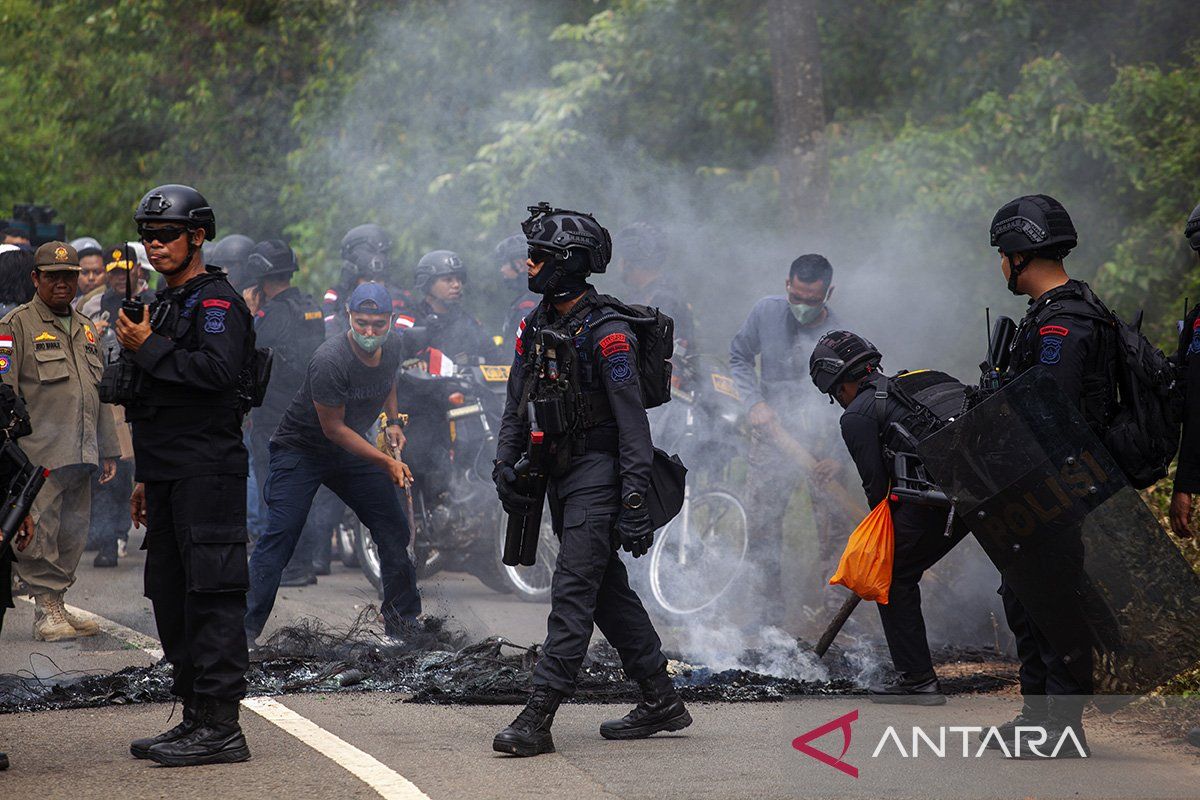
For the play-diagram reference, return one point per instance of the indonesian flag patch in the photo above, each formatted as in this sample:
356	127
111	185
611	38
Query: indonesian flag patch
6	342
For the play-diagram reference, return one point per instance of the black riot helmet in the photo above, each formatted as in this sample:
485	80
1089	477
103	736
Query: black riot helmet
512	248
436	264
840	357
231	253
1192	229
642	244
562	233
368	250
272	258
1033	226
173	202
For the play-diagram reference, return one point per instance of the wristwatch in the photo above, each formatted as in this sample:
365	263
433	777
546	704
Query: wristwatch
633	500
401	420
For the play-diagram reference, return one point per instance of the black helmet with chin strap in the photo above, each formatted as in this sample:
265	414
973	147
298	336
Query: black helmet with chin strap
561	232
437	264
1033	226
840	357
272	257
367	249
510	249
173	202
570	245
1192	229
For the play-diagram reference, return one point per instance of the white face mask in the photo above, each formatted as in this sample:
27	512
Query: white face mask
805	314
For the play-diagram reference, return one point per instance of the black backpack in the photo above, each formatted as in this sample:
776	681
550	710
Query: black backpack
1143	433
655	333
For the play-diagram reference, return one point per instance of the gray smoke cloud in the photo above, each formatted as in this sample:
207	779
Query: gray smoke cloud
397	151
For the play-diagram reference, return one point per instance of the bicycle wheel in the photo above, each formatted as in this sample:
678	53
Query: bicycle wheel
699	555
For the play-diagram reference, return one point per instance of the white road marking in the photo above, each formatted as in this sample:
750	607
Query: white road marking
384	780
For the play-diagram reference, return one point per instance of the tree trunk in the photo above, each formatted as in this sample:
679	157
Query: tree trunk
799	109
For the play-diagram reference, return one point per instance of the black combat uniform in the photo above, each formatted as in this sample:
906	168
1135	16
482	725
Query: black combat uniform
1187	472
610	460
187	441
520	308
292	325
456	333
1063	331
921	538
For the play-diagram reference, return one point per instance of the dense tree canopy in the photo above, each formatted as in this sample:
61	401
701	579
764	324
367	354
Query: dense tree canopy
442	120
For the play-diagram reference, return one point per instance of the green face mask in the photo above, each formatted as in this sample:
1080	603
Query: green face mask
368	343
806	315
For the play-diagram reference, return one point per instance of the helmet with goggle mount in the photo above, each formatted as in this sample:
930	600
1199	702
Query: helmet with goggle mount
560	233
368	249
840	357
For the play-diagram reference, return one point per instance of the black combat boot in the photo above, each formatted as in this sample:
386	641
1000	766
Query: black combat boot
216	739
1066	712
140	748
1035	713
660	710
913	690
3	761
529	733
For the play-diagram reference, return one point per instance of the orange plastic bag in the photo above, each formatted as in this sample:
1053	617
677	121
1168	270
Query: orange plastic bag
866	565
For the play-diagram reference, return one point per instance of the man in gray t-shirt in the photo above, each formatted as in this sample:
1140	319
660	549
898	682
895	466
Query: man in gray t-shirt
321	441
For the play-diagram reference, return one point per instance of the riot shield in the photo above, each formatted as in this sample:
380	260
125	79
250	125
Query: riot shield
1076	544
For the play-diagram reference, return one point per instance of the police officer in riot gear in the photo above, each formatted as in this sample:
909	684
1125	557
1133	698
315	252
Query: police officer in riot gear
290	323
441	278
641	251
597	487
875	429
1187	473
509	257
192	346
1063	332
366	257
230	252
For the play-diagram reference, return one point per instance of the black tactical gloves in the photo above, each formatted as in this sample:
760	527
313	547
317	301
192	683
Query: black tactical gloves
509	490
635	530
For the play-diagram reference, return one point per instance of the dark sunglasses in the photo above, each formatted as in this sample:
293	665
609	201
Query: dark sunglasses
540	256
163	235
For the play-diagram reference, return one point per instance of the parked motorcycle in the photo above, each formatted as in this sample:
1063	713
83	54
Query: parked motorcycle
452	505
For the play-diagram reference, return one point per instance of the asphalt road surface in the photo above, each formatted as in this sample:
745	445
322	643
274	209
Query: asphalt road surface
376	745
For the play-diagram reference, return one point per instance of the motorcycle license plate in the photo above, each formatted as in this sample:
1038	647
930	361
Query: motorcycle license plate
494	373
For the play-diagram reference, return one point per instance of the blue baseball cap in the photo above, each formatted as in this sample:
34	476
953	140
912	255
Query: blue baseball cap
370	298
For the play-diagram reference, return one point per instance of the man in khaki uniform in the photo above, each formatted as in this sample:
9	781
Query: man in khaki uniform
49	354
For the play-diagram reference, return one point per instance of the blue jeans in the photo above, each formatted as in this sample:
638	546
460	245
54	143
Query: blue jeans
294	479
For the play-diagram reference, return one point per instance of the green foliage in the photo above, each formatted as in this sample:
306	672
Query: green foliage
442	119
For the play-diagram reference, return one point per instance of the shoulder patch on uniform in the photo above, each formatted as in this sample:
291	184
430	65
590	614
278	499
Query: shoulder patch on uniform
1055	330
216	302
619	370
331	296
5	363
7	342
1193	347
311	315
214	320
614	343
404	321
520	342
1051	350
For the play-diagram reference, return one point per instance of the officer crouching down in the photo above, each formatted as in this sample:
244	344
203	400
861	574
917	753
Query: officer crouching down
188	353
884	419
599	474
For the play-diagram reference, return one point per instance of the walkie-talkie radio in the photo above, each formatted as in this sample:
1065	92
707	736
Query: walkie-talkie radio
121	382
133	307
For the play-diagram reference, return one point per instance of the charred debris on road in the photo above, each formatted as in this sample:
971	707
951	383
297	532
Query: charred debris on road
436	664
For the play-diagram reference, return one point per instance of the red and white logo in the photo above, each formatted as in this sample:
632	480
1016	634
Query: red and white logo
843	723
